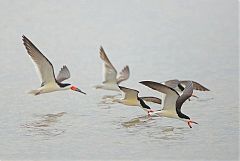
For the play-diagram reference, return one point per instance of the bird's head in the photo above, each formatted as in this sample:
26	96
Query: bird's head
74	88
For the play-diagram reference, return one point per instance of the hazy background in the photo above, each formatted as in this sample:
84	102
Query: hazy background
158	39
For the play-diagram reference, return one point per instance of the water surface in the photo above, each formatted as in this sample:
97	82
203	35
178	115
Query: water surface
159	40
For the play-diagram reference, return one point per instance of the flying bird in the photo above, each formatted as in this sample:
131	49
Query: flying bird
46	71
111	81
173	101
179	85
131	98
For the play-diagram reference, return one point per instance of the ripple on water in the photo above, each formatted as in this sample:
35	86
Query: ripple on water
44	126
108	100
153	130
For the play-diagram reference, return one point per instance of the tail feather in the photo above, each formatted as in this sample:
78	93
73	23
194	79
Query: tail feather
34	92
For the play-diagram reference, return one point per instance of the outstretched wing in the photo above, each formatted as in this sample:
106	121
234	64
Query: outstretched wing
129	93
172	83
124	74
63	74
110	73
196	85
152	99
171	95
44	66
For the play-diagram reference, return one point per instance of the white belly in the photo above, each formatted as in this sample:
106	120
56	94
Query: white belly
49	88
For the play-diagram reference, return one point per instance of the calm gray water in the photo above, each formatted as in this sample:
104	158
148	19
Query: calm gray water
159	40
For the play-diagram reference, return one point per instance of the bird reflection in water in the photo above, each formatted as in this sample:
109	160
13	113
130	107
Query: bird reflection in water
150	126
45	125
136	121
108	99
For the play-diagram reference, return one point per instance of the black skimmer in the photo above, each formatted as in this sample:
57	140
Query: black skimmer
131	99
111	81
179	85
173	100
45	68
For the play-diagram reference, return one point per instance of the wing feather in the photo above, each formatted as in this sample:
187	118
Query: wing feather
196	85
63	74
110	73
44	66
152	99
172	83
171	95
129	93
124	74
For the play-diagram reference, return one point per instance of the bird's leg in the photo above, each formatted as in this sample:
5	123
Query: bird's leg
190	122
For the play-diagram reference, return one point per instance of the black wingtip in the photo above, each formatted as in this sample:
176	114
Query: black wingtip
121	87
101	48
149	82
101	51
127	68
25	39
143	82
126	88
